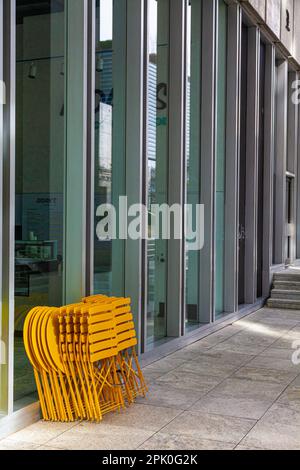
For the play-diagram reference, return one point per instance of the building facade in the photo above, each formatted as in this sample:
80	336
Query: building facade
162	102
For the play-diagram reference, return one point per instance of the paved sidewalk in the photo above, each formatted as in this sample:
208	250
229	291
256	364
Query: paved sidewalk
235	389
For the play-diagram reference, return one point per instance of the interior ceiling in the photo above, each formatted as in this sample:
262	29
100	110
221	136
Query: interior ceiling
37	7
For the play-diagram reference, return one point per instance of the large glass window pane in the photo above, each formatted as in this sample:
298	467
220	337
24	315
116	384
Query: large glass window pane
242	167
157	161
193	145
220	158
40	143
109	152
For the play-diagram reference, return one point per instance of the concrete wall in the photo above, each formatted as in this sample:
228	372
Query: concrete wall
287	24
297	30
260	7
283	19
273	16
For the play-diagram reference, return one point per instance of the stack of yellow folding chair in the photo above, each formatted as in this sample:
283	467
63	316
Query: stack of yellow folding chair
128	365
84	358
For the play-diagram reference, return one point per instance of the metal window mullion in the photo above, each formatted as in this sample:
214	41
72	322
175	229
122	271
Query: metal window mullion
297	187
269	154
8	220
90	178
118	135
232	158
134	148
76	150
3	383
144	300
281	160
208	153
252	164
176	163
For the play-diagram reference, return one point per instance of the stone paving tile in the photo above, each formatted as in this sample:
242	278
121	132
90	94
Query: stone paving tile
144	417
89	436
280	413
41	432
182	378
165	365
247	389
212	365
236	388
277	353
11	444
166	395
291	395
152	374
233	406
48	448
210	426
273	436
285	342
274	363
229	346
188	354
169	441
241	447
224	358
284	377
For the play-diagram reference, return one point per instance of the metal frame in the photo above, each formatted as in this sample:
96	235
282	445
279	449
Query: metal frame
8	220
269	154
134	147
232	157
76	151
252	164
144	306
195	147
298	190
120	68
3	379
208	151
176	251
90	175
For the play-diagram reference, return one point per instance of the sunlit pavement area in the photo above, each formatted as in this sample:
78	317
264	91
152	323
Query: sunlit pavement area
235	389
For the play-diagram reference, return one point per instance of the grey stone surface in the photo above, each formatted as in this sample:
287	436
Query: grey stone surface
234	389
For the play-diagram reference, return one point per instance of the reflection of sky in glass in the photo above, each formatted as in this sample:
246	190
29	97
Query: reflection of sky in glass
189	38
152	27
106	20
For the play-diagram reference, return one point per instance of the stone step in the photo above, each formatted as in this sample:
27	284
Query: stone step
286	277
283	304
285	294
286	285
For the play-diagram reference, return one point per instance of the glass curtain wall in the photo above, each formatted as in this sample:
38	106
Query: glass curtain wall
3	317
220	158
109	151
193	145
40	164
157	162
